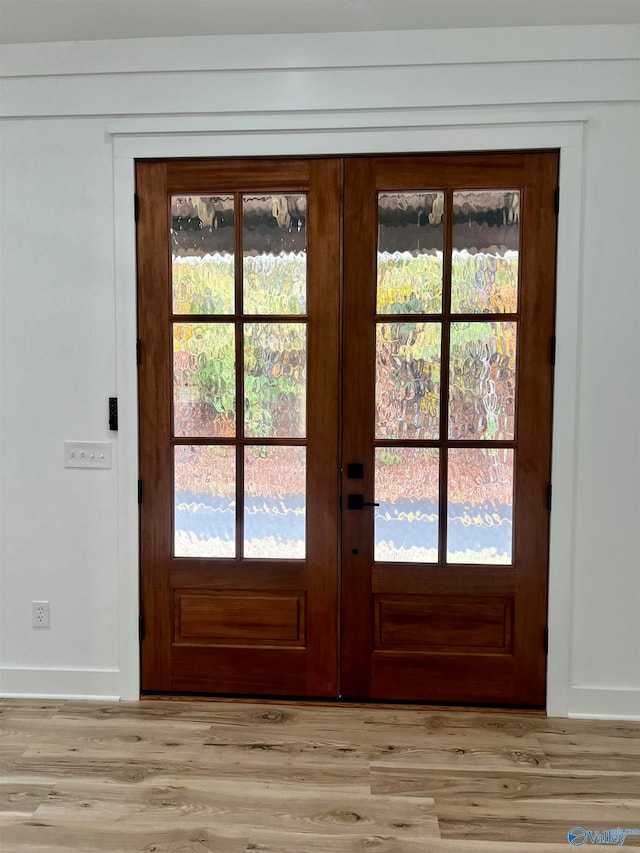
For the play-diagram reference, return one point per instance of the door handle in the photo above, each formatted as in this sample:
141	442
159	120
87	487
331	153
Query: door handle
358	502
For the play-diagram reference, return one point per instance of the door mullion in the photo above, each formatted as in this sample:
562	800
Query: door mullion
359	310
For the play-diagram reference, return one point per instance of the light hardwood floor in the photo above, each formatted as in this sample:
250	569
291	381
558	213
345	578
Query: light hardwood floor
162	776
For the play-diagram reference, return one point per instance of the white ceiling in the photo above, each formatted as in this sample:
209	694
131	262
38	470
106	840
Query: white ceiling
23	21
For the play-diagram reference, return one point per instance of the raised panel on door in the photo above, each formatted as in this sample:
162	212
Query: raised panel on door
449	273
238	290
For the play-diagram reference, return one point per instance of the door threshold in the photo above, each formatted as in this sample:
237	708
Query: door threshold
319	702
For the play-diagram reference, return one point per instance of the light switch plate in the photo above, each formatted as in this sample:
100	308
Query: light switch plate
87	454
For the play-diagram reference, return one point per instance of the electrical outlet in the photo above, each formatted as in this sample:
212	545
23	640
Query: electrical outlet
40	614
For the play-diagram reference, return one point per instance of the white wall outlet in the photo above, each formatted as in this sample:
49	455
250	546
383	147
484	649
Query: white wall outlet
40	614
87	454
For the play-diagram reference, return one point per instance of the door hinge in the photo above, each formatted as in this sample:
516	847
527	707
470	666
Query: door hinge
552	350
138	351
549	490
136	206
556	201
141	628
113	413
545	639
139	491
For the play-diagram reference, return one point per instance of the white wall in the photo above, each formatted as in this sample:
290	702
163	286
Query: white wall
70	129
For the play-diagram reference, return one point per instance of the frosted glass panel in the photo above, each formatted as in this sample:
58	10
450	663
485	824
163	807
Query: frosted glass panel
482	384
408	380
486	242
204	392
275	382
203	244
410	240
406	487
204	505
274	239
275	502
480	505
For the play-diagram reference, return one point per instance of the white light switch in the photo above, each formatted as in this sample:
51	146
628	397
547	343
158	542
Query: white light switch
87	454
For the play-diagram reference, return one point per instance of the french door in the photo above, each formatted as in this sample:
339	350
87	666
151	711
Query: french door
345	423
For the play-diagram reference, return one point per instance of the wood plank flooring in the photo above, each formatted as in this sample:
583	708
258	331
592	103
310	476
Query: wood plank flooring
164	776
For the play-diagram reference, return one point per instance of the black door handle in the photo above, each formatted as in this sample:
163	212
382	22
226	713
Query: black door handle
358	502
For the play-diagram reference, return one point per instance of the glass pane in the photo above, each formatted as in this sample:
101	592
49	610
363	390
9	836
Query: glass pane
410	239
408	380
406	487
482	383
275	381
205	506
274	239
203	244
480	505
486	240
275	502
204	380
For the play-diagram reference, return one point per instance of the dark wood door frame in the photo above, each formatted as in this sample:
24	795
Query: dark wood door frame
510	677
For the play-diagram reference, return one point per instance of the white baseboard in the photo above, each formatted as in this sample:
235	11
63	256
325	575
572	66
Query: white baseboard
54	683
105	685
604	703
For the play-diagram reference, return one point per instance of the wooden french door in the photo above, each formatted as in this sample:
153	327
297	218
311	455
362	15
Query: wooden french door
345	422
238	279
449	272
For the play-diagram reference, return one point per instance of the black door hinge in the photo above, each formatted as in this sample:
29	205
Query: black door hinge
138	352
556	201
139	491
113	413
136	206
545	639
141	628
549	490
552	350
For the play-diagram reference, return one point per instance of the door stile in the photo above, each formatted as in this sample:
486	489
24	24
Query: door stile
534	430
358	401
154	427
324	413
